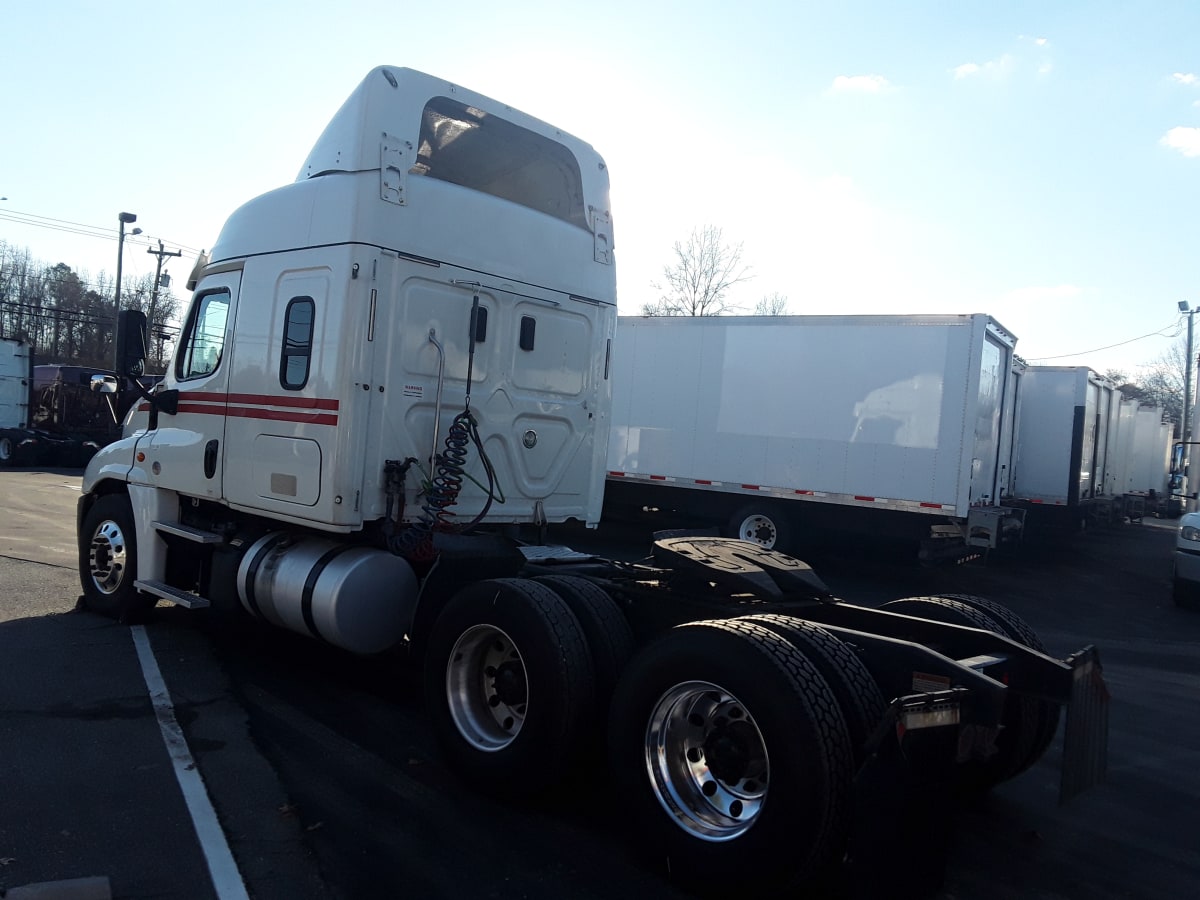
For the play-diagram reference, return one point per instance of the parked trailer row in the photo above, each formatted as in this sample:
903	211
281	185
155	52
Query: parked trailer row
389	363
1086	452
923	427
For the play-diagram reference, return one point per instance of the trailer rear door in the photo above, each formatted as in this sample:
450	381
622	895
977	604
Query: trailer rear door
987	469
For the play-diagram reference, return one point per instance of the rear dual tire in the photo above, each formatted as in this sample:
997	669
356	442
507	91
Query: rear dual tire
1029	724
730	758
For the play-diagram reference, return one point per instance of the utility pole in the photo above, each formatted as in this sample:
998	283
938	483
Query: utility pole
161	254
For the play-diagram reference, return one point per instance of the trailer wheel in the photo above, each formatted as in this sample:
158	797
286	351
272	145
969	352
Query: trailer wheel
857	693
509	684
760	524
7	451
1021	721
605	629
1016	628
108	560
730	758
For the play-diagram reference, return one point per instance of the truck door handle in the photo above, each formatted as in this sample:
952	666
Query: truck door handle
210	458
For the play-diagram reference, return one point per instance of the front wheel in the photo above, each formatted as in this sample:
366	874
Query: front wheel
108	560
730	758
8	451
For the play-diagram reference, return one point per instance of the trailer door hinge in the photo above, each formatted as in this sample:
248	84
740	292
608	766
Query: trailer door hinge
393	169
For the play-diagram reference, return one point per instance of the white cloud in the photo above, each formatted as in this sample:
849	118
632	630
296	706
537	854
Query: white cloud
1185	140
1185	78
859	84
996	69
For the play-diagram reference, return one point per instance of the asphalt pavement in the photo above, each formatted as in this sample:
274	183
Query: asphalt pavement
325	781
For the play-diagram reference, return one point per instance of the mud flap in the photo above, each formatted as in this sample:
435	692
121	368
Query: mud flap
1085	738
903	801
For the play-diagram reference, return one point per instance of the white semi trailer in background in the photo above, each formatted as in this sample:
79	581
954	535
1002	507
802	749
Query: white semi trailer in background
774	427
1086	454
1062	466
390	365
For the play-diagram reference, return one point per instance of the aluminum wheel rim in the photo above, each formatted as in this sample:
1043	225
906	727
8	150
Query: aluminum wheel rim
107	556
707	761
759	530
487	688
6	449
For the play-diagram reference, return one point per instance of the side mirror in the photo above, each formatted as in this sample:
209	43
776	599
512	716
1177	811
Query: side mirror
103	384
131	343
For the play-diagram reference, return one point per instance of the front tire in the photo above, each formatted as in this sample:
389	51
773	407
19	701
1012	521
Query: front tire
108	560
730	758
509	685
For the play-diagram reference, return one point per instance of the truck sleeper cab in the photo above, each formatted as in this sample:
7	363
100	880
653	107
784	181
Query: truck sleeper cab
407	351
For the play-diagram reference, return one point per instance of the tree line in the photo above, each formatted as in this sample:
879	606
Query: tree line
69	317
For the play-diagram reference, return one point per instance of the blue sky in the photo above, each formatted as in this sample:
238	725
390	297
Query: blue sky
1036	161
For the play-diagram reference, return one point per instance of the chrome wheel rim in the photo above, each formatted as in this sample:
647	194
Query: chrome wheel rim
107	557
759	530
6	449
707	761
487	688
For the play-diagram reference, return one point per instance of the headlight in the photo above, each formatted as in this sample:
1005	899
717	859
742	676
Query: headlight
1190	533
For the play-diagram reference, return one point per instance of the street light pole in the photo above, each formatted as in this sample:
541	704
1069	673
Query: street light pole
124	218
1185	430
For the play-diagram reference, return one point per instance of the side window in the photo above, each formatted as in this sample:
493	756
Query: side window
204	339
296	356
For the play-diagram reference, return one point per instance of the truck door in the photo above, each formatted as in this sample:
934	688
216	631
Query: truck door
185	451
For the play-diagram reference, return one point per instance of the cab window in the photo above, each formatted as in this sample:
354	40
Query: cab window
204	338
296	354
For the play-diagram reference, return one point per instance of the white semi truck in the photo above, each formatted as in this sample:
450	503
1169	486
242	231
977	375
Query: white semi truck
388	365
772	428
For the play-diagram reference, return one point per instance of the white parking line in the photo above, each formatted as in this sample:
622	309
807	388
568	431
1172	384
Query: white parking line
226	878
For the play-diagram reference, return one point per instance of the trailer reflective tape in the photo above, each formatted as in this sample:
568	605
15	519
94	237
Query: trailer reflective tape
658	477
866	499
702	481
617	474
751	487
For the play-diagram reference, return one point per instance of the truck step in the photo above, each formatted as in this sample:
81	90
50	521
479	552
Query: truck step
199	535
174	594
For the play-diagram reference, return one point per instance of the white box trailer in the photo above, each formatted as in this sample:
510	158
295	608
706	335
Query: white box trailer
1150	452
884	425
16	377
1062	474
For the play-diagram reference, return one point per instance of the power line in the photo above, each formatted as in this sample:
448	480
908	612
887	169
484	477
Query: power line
1160	333
65	225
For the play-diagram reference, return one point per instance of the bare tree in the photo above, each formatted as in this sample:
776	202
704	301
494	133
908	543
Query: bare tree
704	269
1162	381
773	304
